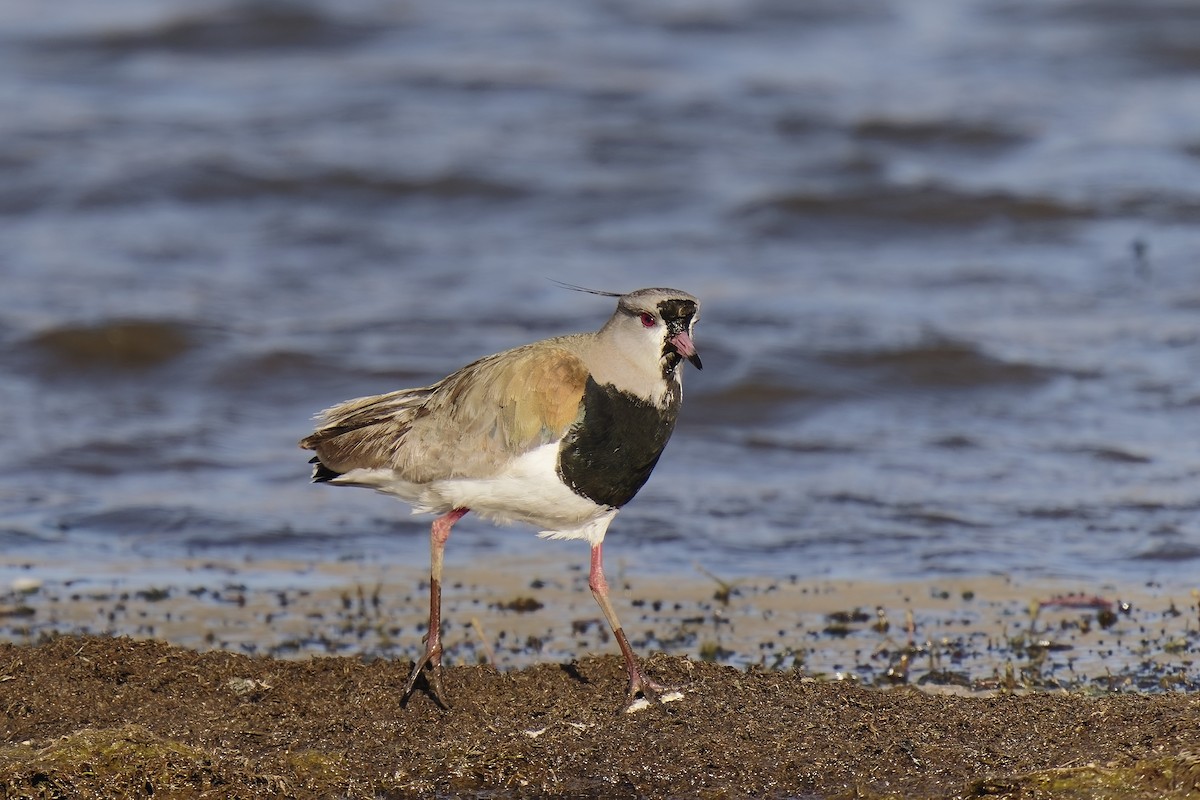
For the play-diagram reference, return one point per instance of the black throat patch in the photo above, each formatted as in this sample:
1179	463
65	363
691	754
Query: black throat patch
609	454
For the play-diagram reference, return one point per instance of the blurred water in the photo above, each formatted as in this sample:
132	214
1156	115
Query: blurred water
947	253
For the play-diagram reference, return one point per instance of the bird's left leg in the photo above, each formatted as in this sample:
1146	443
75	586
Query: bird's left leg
439	532
639	684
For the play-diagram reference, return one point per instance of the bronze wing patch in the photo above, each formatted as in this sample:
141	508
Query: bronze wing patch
542	397
498	408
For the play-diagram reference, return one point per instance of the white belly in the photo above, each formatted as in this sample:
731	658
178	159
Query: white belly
528	490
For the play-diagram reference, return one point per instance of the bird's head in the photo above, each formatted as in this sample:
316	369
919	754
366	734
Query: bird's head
640	348
659	323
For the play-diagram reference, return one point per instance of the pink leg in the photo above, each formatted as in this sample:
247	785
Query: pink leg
439	532
638	683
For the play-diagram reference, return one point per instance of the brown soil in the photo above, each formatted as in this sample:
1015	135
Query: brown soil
94	716
981	687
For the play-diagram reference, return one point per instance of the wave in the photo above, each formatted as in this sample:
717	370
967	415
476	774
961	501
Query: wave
935	363
123	344
922	206
220	180
243	27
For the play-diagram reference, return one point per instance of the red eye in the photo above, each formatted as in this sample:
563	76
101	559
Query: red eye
648	319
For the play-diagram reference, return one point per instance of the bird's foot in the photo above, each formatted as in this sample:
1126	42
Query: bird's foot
643	692
433	681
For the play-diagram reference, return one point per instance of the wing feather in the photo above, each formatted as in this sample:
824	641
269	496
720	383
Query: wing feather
470	424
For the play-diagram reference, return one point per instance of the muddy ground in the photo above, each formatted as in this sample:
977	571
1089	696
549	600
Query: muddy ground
982	689
115	717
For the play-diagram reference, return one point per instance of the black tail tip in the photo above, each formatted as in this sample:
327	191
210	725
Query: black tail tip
321	473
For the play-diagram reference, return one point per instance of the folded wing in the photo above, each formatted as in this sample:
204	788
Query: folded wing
469	424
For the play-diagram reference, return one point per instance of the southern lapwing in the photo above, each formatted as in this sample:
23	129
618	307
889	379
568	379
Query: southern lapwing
558	434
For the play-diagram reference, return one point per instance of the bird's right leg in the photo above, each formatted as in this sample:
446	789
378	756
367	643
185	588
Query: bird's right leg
439	532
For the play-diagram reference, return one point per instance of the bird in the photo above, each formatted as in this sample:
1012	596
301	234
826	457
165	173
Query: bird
558	434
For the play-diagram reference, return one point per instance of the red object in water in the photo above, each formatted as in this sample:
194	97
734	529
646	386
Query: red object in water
1078	601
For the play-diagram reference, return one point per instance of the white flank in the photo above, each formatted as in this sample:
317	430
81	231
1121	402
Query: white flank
527	490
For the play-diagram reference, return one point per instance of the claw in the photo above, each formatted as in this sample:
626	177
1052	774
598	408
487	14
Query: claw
639	684
644	692
433	681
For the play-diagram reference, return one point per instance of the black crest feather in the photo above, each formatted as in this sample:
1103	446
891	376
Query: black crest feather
584	289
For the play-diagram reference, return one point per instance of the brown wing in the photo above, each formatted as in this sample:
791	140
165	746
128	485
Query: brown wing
469	424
